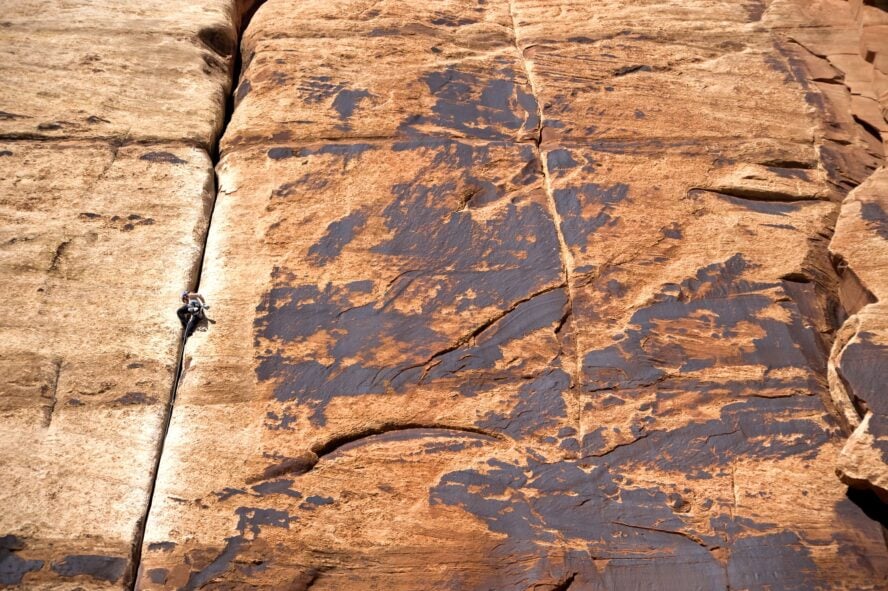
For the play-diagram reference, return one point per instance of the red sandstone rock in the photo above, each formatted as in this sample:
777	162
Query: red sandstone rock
461	354
860	355
508	295
107	113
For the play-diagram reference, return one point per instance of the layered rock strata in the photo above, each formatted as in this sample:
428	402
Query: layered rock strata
517	295
108	115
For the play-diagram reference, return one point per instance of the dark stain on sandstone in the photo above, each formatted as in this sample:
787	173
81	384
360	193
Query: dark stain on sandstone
277	487
165	157
347	100
591	502
220	40
280	153
317	89
464	264
540	405
875	215
102	568
315	501
336	237
132	398
573	203
158	576
13	568
560	161
715	302
251	521
493	109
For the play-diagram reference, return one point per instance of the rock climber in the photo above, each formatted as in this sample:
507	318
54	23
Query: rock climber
191	311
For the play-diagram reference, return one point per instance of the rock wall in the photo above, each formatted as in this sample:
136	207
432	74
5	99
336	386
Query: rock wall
524	294
108	115
859	362
521	295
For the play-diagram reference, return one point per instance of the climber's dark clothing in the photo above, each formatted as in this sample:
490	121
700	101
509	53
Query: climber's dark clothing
183	315
191	313
192	324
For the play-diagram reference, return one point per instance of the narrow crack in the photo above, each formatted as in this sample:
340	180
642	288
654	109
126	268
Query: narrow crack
753	194
334	444
735	491
477	331
618	446
567	262
49	410
305	462
58	255
242	22
690	537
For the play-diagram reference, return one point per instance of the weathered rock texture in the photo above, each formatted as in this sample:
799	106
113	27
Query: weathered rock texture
107	113
523	295
859	362
508	295
849	51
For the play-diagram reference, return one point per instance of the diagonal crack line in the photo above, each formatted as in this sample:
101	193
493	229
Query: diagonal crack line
478	330
690	537
566	258
618	446
306	461
323	449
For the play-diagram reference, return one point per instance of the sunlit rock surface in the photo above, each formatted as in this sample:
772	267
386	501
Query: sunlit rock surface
107	113
860	352
521	295
505	295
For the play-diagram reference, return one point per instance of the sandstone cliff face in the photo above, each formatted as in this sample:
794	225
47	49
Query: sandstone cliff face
109	111
858	363
508	295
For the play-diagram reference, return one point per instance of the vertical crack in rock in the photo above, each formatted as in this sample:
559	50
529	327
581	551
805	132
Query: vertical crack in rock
242	13
53	390
566	584
567	262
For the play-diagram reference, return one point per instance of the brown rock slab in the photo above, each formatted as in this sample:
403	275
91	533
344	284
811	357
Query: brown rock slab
460	77
863	459
860	358
131	72
507	295
368	331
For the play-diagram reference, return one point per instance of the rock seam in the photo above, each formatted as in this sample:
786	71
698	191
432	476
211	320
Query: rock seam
241	16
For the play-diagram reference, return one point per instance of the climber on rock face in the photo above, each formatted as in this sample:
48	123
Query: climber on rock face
191	311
